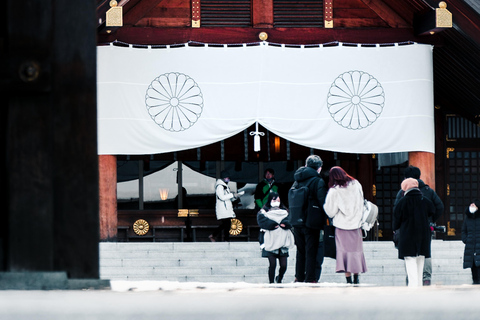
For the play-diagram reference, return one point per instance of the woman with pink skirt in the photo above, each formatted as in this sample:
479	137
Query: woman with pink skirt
344	205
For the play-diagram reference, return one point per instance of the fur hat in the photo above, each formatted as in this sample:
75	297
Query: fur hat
409	183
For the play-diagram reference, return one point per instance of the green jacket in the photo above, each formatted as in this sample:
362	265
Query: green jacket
262	190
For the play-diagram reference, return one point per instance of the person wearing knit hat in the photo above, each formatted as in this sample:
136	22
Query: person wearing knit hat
409	184
430	194
411	215
471	239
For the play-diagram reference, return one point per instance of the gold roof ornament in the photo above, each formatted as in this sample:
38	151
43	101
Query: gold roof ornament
140	227
114	15
443	16
436	20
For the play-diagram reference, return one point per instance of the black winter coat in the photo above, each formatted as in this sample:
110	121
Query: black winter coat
315	216
428	193
471	238
411	216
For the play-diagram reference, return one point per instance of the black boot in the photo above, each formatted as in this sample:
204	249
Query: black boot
355	279
349	279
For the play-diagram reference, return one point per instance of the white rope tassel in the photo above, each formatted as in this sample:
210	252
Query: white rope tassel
256	138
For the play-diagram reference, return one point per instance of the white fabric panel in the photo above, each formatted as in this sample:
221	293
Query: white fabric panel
299	94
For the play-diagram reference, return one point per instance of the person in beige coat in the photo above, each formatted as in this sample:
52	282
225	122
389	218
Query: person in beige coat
344	205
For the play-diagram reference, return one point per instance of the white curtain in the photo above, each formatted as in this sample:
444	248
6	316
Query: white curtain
342	98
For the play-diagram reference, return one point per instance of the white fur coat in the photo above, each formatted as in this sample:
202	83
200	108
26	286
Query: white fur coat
345	205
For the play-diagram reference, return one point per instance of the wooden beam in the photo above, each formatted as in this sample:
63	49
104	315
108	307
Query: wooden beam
387	14
158	36
138	11
465	19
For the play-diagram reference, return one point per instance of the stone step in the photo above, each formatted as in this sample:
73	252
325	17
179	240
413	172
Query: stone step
374	280
373	268
239	262
242	261
245	257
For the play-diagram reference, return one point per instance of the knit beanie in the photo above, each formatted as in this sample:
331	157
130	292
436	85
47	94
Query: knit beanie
409	183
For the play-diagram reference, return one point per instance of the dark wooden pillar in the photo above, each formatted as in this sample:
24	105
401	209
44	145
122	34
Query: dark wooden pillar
108	197
51	169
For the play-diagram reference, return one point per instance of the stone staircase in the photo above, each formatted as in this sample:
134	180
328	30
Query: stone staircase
241	262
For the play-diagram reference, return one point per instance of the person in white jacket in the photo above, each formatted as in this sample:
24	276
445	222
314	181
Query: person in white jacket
223	206
344	204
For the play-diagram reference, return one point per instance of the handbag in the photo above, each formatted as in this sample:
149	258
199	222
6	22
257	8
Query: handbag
329	246
370	214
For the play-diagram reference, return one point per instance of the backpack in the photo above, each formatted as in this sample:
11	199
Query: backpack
298	204
370	214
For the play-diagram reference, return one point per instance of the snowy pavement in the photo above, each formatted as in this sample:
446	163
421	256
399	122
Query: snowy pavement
181	300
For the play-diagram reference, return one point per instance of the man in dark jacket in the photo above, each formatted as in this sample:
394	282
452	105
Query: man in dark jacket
429	193
264	188
411	217
307	235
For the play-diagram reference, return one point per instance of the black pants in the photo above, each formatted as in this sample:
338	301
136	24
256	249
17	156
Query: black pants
320	258
475	274
272	261
306	240
225	225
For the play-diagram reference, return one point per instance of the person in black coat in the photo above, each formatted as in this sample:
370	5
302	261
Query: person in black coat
471	238
430	194
411	217
307	236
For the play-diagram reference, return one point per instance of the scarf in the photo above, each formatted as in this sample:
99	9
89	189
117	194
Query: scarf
278	238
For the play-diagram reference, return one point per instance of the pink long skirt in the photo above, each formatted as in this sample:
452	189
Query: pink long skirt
350	256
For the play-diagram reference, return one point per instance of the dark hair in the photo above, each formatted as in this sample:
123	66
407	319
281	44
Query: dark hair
269	170
338	177
314	162
272	195
224	174
412	172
